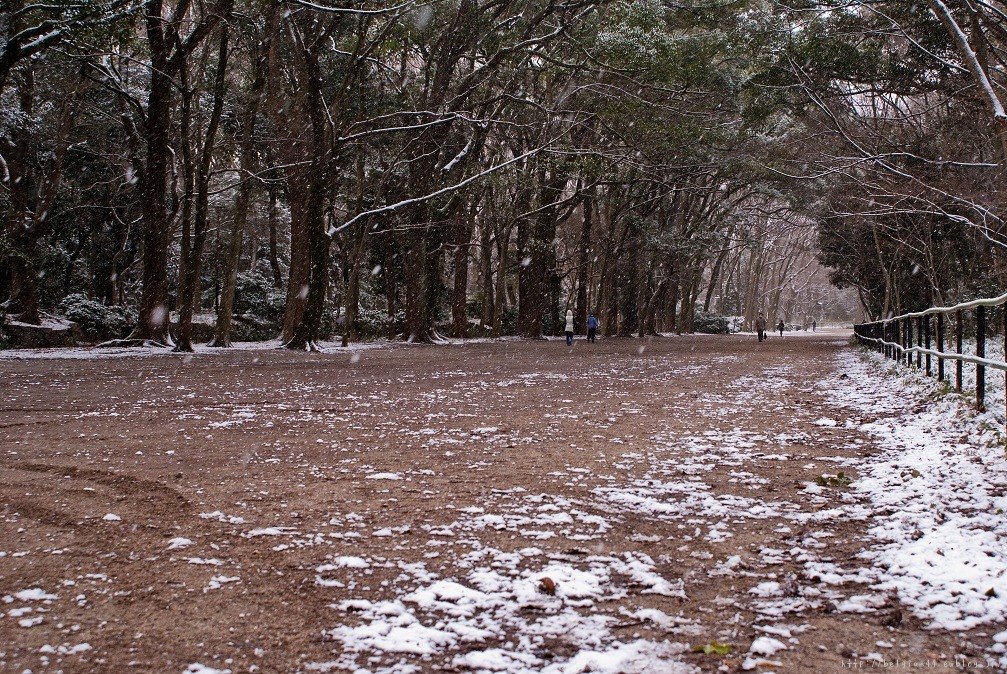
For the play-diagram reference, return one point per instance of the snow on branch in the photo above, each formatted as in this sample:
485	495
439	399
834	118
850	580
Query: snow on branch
350	10
394	129
42	41
332	231
458	157
975	67
906	35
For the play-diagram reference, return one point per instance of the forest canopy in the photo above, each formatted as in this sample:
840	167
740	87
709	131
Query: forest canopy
470	167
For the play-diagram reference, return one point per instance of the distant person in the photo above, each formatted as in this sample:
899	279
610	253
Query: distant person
814	325
780	327
569	327
592	328
760	327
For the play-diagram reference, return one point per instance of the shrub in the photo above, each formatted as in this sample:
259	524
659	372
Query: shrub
330	323
254	294
374	322
97	321
4	337
508	320
713	324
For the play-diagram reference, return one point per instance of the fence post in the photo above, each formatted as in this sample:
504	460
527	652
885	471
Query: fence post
906	340
981	353
940	345
896	338
909	340
958	364
926	338
919	342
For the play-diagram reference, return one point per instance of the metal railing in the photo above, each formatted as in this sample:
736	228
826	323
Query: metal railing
895	337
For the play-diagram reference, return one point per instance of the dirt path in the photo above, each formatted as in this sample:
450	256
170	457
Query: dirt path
400	509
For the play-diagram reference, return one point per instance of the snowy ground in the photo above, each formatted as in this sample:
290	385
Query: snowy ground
674	505
994	381
938	491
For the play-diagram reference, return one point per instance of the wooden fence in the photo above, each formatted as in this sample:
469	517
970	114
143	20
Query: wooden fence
910	337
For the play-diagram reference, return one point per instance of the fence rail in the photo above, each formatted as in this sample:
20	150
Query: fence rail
911	336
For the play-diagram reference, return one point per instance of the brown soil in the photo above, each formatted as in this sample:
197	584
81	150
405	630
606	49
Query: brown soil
287	439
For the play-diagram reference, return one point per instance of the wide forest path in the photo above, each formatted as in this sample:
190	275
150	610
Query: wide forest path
672	504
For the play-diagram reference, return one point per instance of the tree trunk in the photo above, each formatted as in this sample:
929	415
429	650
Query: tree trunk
557	311
190	292
753	301
714	279
608	293
486	276
648	320
415	253
538	259
273	220
114	287
630	296
152	324
153	310
300	259
503	256
673	279
435	241
306	331
290	112
459	296
391	290
225	309
687	313
351	323
584	258
188	190
166	55
351	320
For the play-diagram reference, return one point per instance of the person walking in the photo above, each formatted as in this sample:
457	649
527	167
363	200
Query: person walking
569	327
780	327
592	328
760	327
814	326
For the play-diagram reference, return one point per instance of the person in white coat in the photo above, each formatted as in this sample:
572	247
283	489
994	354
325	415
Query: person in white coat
569	327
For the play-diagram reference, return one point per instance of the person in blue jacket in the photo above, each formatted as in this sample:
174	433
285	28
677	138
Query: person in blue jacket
592	328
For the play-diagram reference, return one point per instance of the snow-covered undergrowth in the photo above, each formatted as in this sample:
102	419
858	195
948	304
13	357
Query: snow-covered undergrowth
994	381
115	352
153	351
939	492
